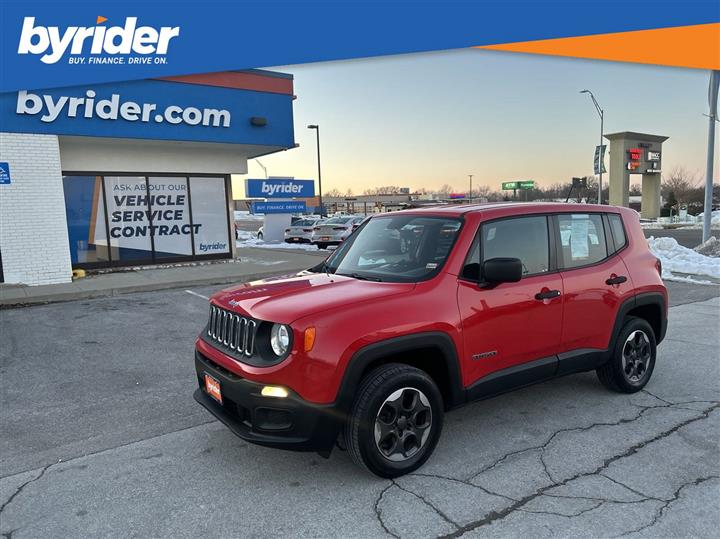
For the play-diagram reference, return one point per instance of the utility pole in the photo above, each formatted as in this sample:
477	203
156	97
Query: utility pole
712	118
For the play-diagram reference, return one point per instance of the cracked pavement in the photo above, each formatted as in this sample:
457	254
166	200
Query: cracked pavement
111	444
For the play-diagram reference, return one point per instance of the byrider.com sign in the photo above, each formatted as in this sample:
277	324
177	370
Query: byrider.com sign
152	109
279	188
99	44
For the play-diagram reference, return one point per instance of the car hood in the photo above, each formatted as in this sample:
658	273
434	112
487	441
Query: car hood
285	299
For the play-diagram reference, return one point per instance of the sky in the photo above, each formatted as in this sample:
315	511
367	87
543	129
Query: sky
424	120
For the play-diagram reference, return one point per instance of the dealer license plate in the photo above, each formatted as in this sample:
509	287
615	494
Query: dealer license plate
212	388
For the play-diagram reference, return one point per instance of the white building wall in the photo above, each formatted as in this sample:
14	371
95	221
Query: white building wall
33	225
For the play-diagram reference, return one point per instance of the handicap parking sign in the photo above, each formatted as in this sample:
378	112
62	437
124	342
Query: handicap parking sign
4	174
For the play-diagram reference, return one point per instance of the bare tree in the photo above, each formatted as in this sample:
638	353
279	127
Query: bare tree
681	183
384	190
334	192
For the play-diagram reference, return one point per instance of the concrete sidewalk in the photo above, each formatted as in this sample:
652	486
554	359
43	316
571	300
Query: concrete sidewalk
251	264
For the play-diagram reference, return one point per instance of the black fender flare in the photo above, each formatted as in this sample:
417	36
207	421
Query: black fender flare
376	351
639	300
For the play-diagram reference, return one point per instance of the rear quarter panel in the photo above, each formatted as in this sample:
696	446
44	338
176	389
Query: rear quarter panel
639	260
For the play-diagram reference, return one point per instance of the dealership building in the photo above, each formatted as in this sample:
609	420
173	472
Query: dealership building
131	173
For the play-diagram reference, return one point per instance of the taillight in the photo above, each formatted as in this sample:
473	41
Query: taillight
658	266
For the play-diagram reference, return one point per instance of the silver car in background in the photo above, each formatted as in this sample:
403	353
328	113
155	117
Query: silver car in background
334	231
301	231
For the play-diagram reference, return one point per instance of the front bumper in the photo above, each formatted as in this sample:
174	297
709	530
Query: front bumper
286	423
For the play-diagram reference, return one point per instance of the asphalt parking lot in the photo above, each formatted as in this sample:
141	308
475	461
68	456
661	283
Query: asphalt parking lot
101	437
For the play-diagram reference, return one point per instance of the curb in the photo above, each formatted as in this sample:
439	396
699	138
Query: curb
74	295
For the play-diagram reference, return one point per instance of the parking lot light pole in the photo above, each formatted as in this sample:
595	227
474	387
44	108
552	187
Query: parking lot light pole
712	118
317	140
600	152
470	194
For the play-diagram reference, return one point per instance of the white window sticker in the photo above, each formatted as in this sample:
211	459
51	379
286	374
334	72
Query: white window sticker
579	238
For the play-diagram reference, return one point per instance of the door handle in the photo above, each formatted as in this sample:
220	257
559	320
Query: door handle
548	294
618	279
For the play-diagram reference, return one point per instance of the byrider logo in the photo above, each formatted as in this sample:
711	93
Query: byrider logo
118	42
272	189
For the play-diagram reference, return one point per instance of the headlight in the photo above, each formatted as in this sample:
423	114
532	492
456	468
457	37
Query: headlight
280	339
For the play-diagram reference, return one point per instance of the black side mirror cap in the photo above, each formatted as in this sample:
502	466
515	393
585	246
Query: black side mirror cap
502	270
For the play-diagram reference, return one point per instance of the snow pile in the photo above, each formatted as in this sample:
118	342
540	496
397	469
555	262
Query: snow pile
250	239
247	216
709	248
679	259
714	219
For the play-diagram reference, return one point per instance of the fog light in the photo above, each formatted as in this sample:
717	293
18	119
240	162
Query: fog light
274	391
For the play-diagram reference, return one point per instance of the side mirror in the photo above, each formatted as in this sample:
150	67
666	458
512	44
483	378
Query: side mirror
502	270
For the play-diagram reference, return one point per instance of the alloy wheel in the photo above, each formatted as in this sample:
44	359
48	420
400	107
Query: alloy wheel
403	424
636	356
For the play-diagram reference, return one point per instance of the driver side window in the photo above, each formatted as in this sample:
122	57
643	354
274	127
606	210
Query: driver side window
525	238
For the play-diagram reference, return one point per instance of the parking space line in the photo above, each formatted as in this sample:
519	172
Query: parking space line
196	294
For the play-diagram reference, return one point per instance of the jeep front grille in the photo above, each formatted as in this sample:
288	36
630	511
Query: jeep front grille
231	331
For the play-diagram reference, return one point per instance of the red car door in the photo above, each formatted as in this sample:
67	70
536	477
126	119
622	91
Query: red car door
511	328
596	282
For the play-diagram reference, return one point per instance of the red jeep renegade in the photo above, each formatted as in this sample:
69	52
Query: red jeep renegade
421	311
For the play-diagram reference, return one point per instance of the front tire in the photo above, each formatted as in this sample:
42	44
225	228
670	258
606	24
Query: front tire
633	358
395	421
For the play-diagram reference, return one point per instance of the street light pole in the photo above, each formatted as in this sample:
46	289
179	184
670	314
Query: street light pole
262	166
601	113
470	194
317	141
712	118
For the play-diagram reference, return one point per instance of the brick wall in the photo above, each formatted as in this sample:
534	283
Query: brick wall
33	226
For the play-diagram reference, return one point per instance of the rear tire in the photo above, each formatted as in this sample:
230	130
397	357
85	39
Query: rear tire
633	358
260	235
321	245
395	421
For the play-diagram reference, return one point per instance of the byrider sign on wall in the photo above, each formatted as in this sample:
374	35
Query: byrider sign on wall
279	188
152	109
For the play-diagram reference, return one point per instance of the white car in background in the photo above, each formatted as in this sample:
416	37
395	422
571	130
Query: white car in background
334	231
301	231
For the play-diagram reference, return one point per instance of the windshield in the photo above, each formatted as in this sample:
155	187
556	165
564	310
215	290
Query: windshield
398	248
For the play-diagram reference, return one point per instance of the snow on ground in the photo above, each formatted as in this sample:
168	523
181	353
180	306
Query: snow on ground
692	222
250	239
678	259
709	248
247	216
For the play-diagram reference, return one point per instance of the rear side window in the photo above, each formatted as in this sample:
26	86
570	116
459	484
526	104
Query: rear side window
525	238
582	239
618	231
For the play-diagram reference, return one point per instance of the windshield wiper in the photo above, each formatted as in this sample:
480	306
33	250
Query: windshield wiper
361	277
